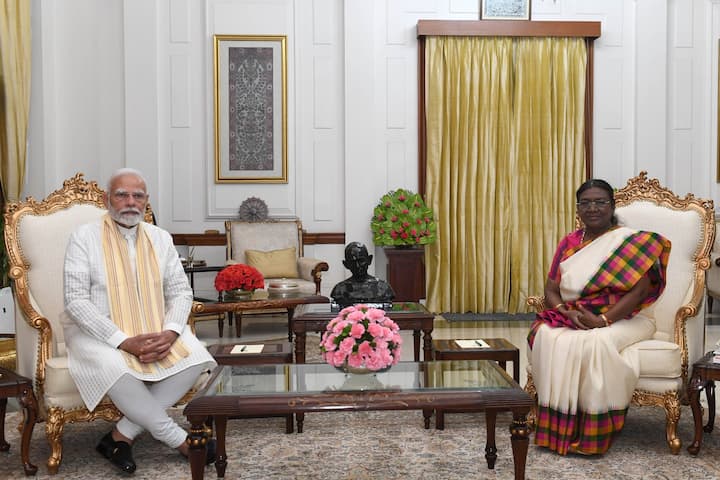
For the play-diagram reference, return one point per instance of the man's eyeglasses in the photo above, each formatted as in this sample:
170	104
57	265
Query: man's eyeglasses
585	204
137	196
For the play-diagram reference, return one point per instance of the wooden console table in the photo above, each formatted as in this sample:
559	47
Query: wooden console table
260	300
13	385
704	374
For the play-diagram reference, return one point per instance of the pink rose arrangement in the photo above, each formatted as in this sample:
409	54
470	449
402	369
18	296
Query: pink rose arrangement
361	336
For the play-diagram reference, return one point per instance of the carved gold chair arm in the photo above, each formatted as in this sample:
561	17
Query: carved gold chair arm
536	302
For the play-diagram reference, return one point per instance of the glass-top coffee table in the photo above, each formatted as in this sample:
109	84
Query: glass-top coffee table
299	388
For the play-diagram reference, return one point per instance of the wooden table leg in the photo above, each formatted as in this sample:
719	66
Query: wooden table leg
290	313
427	413
427	345
696	384
289	423
439	419
4	446
490	446
416	345
520	439
198	446
300	338
29	404
220	432
710	395
238	324
300	419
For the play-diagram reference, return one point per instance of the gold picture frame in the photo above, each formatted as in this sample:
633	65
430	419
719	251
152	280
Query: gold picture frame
250	95
505	9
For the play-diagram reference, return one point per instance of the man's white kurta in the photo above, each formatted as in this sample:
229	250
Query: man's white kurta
91	337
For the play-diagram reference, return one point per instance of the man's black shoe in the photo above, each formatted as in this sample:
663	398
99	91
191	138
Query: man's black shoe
119	453
211	454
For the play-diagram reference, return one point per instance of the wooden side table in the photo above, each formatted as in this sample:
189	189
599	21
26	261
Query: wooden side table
272	353
500	351
13	385
704	374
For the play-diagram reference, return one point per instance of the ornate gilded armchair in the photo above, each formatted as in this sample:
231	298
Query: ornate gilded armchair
36	234
679	313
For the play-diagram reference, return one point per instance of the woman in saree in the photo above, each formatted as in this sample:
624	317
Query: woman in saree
600	291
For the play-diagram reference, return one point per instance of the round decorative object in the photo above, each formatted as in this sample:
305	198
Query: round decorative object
253	209
237	295
283	288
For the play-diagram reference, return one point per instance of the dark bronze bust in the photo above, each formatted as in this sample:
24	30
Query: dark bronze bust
361	287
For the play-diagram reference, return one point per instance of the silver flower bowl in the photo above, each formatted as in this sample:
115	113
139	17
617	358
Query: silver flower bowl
283	288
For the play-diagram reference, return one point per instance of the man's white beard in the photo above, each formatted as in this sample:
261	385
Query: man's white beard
128	217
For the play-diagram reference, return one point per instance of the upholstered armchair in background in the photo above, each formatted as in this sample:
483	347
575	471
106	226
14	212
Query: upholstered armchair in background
36	234
679	313
275	248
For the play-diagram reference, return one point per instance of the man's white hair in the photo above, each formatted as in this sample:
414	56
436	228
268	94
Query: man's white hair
125	171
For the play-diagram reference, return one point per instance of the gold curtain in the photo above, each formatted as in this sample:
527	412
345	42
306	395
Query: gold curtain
505	153
15	38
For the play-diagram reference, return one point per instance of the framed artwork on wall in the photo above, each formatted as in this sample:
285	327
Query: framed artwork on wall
250	90
505	9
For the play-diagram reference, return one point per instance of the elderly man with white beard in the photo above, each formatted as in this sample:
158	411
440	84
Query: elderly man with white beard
127	301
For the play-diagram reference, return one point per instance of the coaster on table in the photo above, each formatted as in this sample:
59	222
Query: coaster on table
477	343
247	348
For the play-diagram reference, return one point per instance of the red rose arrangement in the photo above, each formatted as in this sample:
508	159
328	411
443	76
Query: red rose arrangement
239	276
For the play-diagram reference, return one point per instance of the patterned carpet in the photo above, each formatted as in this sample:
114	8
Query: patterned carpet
379	445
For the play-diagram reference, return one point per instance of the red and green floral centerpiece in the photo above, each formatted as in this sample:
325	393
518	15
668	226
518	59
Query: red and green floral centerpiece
361	337
238	278
401	218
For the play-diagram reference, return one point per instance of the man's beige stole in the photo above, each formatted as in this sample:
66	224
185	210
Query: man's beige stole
136	297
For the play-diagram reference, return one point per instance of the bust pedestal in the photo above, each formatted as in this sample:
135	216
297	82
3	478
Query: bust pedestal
406	272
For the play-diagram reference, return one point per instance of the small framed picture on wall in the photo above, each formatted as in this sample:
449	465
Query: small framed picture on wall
505	9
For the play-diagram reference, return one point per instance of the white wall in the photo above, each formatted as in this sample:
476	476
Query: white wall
129	82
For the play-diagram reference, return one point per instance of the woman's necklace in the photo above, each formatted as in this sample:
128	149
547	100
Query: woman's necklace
593	237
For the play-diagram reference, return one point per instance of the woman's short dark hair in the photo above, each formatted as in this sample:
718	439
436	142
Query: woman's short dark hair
596	183
603	185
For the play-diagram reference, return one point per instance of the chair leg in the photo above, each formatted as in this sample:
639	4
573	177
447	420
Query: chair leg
238	324
710	304
54	425
672	416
